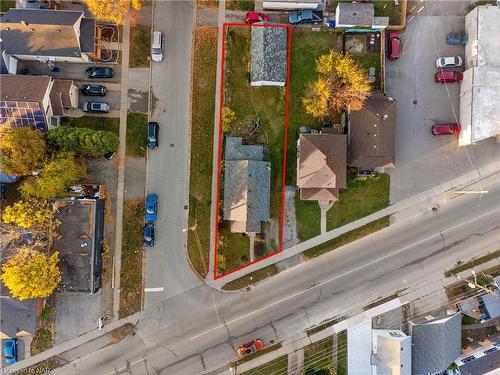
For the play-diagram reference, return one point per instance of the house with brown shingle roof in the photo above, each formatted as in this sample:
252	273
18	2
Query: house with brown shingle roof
35	101
321	166
372	134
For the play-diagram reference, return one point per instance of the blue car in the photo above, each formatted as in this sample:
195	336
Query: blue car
151	208
10	350
149	234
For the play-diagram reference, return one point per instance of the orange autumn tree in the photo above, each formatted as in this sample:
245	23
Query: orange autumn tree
113	10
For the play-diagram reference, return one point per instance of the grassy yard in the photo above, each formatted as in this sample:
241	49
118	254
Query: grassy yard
274	367
367	60
307	46
240	5
348	237
203	107
234	247
137	134
361	198
131	268
251	278
5	5
140	46
318	356
95	123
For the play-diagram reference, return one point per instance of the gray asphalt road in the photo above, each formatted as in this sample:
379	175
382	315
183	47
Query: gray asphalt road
167	171
198	330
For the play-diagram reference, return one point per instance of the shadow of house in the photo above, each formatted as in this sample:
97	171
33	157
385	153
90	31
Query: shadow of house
247	184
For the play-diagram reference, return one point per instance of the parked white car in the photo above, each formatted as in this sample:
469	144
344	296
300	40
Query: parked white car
449	62
157	46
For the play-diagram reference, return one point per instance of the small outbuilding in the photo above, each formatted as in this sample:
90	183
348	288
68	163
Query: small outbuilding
269	56
359	14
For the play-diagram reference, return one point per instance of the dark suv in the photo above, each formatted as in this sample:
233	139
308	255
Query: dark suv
99	72
153	135
93	90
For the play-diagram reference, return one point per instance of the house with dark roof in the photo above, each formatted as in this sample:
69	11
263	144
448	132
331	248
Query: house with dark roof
321	166
359	14
436	343
36	101
269	56
372	134
247	186
46	35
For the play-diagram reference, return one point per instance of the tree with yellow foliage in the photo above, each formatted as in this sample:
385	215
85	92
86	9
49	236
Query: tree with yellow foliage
29	214
22	150
31	274
342	84
113	10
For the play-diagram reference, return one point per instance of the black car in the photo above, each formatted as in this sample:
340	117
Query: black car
93	90
99	72
153	135
149	234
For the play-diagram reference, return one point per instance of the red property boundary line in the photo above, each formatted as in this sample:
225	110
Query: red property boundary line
285	144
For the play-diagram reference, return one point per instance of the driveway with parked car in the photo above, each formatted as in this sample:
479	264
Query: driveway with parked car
424	160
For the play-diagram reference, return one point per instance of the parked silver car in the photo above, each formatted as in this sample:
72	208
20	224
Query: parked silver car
449	62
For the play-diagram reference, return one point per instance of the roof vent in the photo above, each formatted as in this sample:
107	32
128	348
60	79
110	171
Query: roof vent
384	117
7	28
25	23
58	30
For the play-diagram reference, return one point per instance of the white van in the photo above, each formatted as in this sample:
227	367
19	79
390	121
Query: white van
157	46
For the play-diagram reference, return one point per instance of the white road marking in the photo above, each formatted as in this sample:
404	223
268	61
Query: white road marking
343	274
159	289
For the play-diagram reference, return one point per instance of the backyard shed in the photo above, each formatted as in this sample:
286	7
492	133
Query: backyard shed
269	56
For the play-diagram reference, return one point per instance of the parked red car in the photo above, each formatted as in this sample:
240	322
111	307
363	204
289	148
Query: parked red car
254	17
250	348
448	76
393	46
445	129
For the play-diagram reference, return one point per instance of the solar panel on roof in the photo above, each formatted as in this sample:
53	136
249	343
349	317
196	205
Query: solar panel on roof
22	114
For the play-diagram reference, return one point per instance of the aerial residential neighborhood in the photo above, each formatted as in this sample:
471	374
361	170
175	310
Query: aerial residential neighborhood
202	187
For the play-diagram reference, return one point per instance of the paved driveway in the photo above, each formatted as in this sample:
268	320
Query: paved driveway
424	161
167	169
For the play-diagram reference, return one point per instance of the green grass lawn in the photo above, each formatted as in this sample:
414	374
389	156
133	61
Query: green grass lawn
234	247
277	366
5	5
244	5
367	60
140	46
251	278
137	134
95	123
318	356
202	132
131	269
359	199
307	46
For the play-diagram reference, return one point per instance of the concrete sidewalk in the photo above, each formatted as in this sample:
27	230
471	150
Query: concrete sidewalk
405	209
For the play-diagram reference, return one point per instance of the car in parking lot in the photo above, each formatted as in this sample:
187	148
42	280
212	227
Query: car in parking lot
393	46
151	208
446	129
93	90
448	76
449	62
95	107
99	72
153	135
10	350
250	348
149	234
157	46
254	17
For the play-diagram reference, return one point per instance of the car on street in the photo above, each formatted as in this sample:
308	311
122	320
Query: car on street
93	90
254	17
448	76
393	46
446	129
250	348
151	208
95	107
10	350
305	16
149	234
99	72
157	46
449	62
153	135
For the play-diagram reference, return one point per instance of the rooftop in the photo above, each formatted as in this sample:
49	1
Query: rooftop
269	56
357	14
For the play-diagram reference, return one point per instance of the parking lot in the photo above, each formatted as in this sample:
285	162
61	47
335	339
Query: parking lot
423	160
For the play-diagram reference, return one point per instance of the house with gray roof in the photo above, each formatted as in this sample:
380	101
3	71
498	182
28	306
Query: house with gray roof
359	14
436	343
269	56
247	186
46	35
